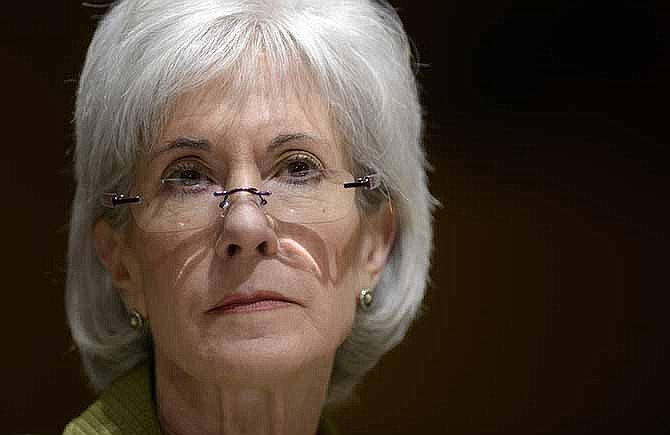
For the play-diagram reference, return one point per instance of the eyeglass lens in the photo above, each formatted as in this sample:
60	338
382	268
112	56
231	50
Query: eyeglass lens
184	204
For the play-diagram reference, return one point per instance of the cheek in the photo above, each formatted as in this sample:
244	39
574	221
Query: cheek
174	277
334	299
344	242
170	265
331	248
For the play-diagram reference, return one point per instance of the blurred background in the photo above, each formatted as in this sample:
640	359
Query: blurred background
546	127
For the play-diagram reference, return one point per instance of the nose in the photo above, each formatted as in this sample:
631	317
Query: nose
247	229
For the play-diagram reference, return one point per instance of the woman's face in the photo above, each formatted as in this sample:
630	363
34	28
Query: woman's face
307	276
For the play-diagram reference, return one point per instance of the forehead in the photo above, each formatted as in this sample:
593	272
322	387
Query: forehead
253	117
210	110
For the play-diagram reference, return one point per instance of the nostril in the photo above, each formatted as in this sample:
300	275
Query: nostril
263	247
232	249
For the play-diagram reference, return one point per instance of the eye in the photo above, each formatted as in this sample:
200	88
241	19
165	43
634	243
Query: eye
187	177
299	167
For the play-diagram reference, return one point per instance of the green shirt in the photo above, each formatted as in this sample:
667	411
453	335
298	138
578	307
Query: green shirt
127	407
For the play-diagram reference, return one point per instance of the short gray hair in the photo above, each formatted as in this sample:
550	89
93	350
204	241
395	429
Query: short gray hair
146	53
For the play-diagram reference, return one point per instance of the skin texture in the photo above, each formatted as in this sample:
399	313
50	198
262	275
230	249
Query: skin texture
246	372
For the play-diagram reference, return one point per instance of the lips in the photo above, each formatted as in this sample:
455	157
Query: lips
250	302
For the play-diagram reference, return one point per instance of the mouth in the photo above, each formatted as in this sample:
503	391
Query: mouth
250	302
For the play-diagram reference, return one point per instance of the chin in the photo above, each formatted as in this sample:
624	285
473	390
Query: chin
263	360
258	348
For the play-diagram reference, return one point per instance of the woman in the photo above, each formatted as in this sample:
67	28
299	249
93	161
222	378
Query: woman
251	229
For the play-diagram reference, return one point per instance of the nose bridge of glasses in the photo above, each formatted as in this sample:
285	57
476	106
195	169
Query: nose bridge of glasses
241	196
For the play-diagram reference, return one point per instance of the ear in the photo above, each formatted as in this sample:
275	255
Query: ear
378	237
120	262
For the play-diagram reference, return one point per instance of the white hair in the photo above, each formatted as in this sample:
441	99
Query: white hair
146	53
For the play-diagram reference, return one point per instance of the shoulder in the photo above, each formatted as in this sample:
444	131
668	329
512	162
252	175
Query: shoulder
326	426
125	408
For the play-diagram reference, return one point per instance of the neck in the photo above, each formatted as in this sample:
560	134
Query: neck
290	406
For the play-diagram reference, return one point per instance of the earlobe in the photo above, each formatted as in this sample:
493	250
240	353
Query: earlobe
112	252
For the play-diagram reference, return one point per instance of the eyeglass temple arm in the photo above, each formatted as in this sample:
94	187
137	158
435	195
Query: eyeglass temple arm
111	200
370	182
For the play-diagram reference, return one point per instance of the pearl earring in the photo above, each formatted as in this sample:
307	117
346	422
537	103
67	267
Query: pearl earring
136	320
366	299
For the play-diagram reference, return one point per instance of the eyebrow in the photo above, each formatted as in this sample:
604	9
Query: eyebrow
283	139
203	144
183	143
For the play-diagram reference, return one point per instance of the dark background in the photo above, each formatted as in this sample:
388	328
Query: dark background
546	125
